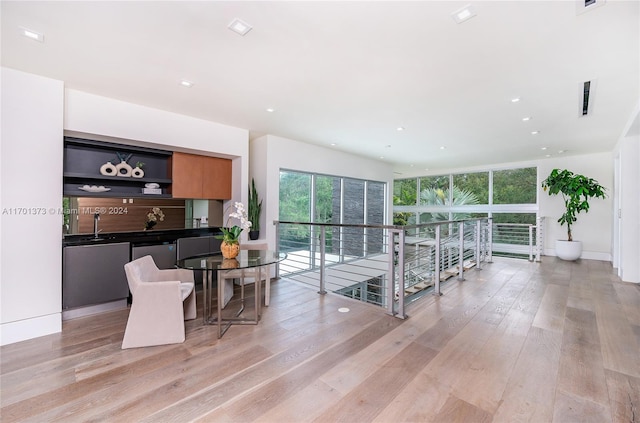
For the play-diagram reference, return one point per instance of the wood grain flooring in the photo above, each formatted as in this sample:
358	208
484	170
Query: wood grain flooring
514	342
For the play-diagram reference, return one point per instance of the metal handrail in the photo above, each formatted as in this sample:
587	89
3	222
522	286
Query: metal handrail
385	273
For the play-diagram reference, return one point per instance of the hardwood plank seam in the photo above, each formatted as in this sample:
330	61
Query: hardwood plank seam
265	381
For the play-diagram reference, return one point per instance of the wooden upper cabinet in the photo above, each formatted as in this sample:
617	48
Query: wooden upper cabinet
195	176
216	178
186	176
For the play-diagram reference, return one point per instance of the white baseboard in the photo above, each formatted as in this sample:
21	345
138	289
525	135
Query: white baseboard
22	330
589	255
586	255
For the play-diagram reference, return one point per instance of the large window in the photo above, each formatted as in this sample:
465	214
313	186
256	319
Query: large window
375	216
324	198
295	198
434	190
306	197
405	192
515	186
511	192
353	213
295	206
471	188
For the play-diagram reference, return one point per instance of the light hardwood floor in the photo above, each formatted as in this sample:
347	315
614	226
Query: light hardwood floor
517	341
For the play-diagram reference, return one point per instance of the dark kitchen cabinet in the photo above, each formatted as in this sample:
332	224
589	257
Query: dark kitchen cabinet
94	274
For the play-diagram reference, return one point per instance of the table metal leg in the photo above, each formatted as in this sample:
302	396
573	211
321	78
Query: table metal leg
258	292
205	300
224	324
267	285
241	294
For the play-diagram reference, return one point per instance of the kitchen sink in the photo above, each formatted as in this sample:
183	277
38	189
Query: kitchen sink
94	239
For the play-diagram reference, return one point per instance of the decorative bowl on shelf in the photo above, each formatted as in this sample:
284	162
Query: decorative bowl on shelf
94	188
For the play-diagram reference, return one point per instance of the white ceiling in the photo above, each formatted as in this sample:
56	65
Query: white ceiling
350	73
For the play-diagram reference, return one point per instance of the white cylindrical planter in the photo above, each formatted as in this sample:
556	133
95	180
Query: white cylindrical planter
568	250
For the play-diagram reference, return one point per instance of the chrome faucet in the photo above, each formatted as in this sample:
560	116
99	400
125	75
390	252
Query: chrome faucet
96	217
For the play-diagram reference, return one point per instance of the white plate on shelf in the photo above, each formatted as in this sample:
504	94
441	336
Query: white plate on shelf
94	188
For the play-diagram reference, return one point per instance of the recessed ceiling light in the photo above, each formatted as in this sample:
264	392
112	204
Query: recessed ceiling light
548	155
543	148
186	83
443	148
239	27
270	110
400	128
36	36
463	14
535	132
515	99
560	151
526	119
333	144
381	157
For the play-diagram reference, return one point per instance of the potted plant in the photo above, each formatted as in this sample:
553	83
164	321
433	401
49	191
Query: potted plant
255	209
576	192
230	245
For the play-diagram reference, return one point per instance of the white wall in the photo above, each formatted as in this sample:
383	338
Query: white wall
31	199
92	114
114	120
594	228
258	159
627	153
271	153
630	209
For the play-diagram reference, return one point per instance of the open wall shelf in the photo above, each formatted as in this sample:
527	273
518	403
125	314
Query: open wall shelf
83	159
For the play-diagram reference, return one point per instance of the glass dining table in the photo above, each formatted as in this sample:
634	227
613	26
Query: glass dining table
245	263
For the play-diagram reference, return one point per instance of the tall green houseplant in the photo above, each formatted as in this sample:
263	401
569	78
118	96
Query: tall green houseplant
255	209
576	192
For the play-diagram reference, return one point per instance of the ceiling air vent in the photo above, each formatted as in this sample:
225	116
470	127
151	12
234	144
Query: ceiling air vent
586	5
587	91
585	97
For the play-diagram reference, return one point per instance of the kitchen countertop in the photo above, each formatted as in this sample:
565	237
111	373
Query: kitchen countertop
139	238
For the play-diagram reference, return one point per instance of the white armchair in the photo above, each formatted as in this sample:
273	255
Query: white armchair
162	300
